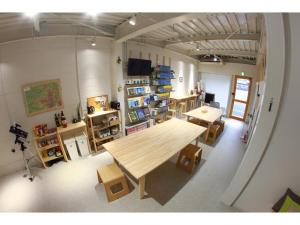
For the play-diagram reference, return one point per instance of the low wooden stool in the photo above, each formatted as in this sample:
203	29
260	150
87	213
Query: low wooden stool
189	157
221	123
214	132
111	176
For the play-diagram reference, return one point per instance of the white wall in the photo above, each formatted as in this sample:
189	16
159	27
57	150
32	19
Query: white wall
279	168
32	60
219	85
230	69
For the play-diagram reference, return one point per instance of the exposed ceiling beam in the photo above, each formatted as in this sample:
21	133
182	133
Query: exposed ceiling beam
157	44
95	28
151	21
242	61
179	40
223	52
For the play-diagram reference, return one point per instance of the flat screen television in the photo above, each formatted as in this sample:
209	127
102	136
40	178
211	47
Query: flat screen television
139	67
209	97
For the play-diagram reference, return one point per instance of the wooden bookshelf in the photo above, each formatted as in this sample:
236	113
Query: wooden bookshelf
98	122
43	147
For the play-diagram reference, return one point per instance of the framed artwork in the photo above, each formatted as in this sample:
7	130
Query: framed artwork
99	102
43	96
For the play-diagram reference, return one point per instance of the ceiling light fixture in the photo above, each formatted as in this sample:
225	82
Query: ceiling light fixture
132	20
215	58
93	43
31	14
198	48
93	13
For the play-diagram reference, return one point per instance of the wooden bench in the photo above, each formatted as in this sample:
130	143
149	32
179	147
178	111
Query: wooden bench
112	178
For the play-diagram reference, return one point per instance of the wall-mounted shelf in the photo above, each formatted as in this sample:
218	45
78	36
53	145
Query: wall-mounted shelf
134	96
161	82
139	107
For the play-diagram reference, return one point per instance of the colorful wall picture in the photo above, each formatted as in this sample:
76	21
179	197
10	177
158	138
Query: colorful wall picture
98	102
42	96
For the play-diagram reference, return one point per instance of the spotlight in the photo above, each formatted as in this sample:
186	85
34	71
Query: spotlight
198	48
132	21
93	13
215	58
93	43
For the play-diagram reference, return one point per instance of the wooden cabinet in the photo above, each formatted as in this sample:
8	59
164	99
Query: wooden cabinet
104	126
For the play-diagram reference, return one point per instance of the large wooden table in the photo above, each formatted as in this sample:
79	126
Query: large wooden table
210	116
142	152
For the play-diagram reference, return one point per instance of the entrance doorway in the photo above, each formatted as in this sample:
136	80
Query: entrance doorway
241	97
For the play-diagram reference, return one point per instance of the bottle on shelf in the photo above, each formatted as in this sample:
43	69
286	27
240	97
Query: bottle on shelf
64	122
56	117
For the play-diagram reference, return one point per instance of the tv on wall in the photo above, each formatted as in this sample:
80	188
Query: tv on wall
139	67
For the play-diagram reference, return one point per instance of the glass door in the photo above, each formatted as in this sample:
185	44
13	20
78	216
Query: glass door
241	97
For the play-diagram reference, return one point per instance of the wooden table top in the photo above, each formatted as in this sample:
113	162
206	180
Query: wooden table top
179	98
211	115
142	152
70	127
101	113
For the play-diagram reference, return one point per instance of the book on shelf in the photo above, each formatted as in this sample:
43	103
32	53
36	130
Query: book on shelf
140	114
146	100
134	102
146	111
131	91
133	116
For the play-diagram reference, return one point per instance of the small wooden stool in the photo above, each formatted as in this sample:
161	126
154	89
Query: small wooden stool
111	176
189	157
221	123
182	108
214	132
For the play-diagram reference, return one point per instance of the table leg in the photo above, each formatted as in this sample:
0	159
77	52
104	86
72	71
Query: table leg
207	132
197	141
142	182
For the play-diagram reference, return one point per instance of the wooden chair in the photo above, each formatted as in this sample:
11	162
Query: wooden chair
182	108
113	178
189	157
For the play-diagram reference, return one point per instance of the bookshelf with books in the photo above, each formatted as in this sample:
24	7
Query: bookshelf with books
137	101
161	82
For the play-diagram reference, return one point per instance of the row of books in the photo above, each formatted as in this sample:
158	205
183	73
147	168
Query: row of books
138	90
139	114
138	101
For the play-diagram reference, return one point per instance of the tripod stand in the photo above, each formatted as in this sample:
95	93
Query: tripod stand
26	161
